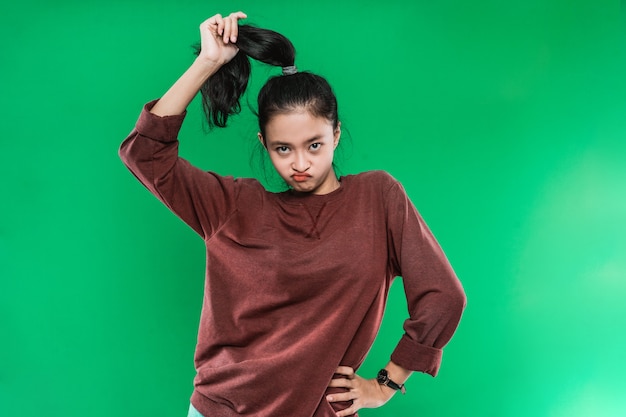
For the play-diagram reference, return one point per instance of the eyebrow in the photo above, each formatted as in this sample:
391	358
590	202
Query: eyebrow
280	143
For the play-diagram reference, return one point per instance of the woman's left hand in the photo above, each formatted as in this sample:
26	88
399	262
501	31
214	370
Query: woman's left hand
364	393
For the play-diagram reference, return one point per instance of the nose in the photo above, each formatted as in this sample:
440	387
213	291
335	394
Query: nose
300	162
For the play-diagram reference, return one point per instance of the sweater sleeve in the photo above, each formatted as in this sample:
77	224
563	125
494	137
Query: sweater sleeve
201	199
434	295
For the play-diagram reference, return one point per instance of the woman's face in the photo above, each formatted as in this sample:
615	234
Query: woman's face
301	147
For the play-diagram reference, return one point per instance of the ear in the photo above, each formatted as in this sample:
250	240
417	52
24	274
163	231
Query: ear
337	135
261	139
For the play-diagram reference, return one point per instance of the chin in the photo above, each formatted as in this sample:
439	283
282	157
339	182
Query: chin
303	187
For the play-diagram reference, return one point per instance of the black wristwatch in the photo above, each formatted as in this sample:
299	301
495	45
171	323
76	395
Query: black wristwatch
383	379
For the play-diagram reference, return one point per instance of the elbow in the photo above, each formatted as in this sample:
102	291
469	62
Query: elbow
453	306
453	302
457	299
461	298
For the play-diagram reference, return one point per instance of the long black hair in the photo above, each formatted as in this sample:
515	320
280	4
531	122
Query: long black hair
222	92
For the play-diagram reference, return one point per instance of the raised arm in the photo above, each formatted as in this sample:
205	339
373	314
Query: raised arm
202	199
217	39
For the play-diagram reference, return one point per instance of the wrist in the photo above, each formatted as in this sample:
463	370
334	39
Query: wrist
205	67
393	377
387	391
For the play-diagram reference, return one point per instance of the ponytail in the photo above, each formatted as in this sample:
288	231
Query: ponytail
222	91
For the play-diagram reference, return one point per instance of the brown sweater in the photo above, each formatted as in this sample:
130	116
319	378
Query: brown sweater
296	285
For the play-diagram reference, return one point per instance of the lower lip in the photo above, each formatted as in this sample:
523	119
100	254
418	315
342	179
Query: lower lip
300	178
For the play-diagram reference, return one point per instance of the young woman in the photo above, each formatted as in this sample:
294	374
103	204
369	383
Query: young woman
296	281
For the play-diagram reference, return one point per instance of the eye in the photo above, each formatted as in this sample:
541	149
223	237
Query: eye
282	149
315	146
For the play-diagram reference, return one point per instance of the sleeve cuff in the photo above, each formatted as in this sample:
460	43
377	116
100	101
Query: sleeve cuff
417	357
159	128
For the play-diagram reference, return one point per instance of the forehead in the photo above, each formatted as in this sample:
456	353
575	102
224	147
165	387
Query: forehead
297	126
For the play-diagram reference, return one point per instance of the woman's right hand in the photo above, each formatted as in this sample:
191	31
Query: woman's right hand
217	47
218	36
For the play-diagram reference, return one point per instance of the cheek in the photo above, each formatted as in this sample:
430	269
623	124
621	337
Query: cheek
280	164
328	157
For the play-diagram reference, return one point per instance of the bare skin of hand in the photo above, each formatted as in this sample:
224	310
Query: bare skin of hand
218	37
364	393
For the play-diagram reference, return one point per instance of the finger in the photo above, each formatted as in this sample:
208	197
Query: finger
345	370
227	28
348	411
213	19
220	24
341	396
210	23
235	28
341	383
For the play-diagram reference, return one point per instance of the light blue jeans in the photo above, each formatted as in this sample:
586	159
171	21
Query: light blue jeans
193	412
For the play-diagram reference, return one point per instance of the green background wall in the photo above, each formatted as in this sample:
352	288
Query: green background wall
504	119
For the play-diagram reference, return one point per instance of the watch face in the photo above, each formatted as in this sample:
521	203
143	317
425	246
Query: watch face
382	376
383	379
